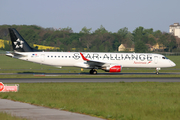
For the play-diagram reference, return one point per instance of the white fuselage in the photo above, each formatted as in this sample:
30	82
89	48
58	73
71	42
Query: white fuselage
59	59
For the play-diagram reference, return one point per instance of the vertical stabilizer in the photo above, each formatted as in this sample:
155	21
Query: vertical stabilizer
18	43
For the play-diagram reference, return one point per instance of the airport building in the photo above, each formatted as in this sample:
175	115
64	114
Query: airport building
175	29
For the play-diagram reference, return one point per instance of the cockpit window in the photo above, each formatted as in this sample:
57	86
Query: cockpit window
164	58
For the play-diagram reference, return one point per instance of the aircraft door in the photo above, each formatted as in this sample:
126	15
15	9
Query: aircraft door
155	59
42	57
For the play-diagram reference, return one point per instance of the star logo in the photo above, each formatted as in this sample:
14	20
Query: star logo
19	43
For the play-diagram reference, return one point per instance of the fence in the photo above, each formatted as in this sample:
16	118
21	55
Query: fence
169	53
2	52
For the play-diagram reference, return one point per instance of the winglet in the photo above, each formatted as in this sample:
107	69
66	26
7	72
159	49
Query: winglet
83	57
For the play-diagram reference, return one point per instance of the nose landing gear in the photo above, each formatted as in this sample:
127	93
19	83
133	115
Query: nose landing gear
157	70
93	71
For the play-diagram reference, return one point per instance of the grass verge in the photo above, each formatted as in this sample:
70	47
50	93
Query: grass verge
11	65
93	76
121	101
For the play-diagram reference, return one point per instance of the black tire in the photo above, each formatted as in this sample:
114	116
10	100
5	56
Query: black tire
91	71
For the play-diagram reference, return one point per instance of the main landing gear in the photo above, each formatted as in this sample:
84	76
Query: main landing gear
157	70
93	71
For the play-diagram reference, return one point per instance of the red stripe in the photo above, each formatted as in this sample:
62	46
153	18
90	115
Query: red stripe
84	57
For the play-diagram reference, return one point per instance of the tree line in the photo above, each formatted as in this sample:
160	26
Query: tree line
100	40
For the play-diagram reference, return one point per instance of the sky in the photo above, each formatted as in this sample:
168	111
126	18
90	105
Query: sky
111	14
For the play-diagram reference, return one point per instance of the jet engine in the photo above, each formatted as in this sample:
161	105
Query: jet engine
113	68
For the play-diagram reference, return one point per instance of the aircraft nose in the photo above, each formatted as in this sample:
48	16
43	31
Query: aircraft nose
172	63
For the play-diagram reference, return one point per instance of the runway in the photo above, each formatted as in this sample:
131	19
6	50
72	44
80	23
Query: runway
87	73
87	80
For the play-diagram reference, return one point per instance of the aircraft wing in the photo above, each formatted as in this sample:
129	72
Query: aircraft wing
94	63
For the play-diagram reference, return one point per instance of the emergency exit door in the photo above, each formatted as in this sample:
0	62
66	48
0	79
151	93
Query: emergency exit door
42	57
155	59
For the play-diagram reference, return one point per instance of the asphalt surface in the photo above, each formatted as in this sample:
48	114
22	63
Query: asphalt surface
86	73
39	113
40	80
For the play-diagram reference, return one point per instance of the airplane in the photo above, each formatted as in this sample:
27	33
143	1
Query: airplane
109	62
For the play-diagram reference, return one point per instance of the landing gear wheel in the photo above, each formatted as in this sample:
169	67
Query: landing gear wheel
157	70
93	71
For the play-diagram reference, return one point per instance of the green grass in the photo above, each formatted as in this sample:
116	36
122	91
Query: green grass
93	76
6	116
120	101
11	65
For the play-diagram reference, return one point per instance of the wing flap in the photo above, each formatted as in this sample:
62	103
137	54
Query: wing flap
94	63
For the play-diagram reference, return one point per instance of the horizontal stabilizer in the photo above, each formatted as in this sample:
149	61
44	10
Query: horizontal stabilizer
15	54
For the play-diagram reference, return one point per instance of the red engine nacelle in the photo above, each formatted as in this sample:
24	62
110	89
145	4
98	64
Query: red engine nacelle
114	68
